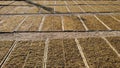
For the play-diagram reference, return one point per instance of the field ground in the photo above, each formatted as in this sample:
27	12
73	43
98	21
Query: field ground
60	34
75	52
59	22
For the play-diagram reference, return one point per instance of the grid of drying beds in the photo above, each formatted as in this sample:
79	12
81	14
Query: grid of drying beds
12	23
60	7
89	52
72	2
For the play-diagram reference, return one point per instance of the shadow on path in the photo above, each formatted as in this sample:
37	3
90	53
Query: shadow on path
51	10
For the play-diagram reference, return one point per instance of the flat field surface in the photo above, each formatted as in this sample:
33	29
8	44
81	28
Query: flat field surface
59	16
61	53
59	23
60	34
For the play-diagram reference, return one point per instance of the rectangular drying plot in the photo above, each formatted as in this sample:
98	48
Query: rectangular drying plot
100	8
52	23
20	3
92	23
86	8
33	9
90	2
19	10
61	9
80	2
116	16
115	2
115	8
4	49
31	23
2	18
36	21
73	58
56	54
5	2
26	9
105	8
35	55
74	9
70	2
49	2
115	42
98	53
72	23
40	2
18	55
104	2
10	23
6	9
110	22
60	3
